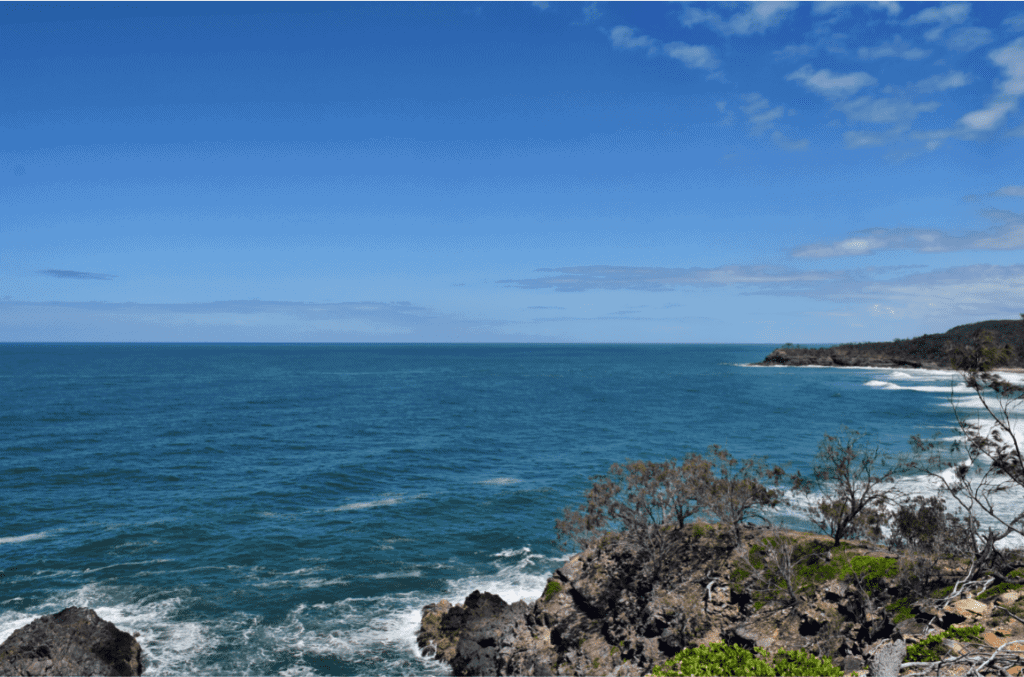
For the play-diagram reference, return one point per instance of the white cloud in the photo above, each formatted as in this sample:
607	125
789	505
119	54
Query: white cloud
967	39
1007	235
940	83
1014	22
693	56
786	143
944	16
625	37
760	114
1011	59
867	109
854	139
757	18
892	8
896	47
830	85
985	290
1005	191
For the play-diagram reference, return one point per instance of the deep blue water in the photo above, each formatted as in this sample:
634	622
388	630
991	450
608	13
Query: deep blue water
288	509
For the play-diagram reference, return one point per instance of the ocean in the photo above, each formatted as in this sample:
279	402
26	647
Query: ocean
288	509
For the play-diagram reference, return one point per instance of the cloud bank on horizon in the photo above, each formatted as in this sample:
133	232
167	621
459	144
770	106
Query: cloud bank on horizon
587	172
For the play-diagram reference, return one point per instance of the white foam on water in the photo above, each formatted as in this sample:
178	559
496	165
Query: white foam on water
415	573
512	553
1006	504
364	505
22	539
380	632
367	504
169	646
500	480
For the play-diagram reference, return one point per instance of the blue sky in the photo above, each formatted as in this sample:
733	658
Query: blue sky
608	172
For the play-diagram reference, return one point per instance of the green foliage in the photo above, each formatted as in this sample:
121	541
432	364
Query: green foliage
551	589
942	592
803	664
932	649
812	563
997	590
900	610
923	525
714	660
723	660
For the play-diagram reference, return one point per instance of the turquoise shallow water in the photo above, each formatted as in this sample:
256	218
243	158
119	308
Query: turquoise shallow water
288	509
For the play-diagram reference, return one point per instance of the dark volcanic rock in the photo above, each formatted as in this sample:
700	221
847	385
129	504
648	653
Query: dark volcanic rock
73	642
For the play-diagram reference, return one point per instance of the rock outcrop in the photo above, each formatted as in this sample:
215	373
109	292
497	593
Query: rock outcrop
73	642
598	616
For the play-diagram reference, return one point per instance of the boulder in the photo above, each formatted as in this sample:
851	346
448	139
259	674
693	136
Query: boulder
73	642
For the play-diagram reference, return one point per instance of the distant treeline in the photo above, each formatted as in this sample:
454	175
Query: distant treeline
935	349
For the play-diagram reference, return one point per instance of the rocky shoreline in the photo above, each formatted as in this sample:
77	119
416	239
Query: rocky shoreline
838	357
591	619
75	641
930	351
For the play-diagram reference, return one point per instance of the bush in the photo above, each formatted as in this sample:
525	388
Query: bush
551	589
851	484
724	660
932	648
924	525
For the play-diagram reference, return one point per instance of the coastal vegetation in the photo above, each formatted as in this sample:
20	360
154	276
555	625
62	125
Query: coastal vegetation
683	566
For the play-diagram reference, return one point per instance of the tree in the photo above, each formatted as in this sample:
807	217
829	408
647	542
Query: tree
852	484
642	501
983	471
735	492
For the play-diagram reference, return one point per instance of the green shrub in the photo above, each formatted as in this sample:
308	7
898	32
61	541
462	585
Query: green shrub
714	660
997	590
932	648
900	610
803	664
551	589
725	660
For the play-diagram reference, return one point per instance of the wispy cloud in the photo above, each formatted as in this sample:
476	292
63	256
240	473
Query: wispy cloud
757	18
968	39
1014	22
896	47
584	278
889	7
892	110
1007	235
940	83
624	37
943	16
251	320
827	84
691	56
978	290
1011	59
76	275
1005	191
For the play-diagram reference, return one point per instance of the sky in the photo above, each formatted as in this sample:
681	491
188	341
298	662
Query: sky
509	172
